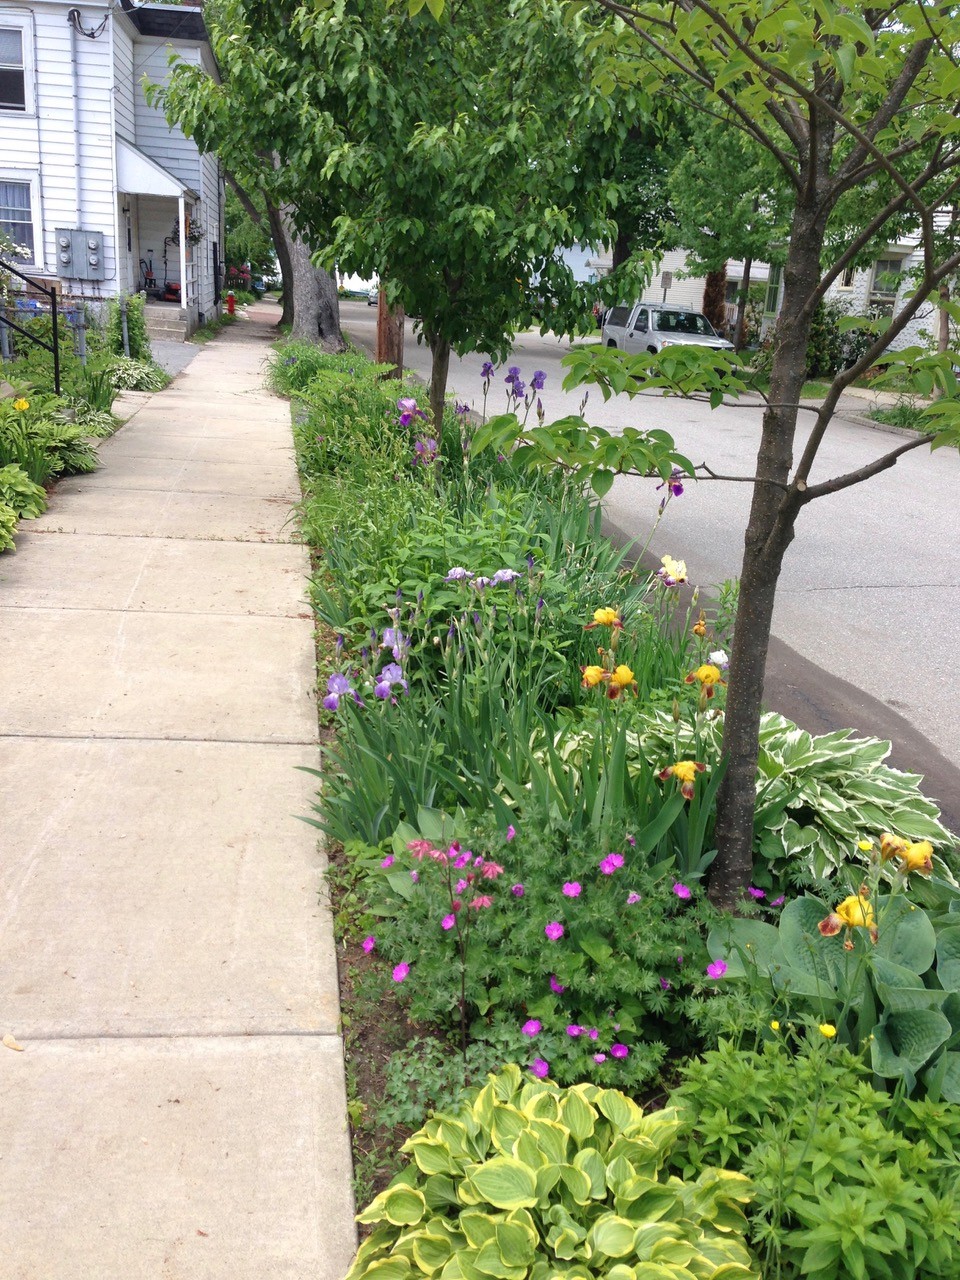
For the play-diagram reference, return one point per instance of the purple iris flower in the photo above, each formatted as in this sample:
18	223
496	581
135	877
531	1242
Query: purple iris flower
460	408
458	574
338	686
391	675
425	450
486	370
504	576
409	410
395	641
538	379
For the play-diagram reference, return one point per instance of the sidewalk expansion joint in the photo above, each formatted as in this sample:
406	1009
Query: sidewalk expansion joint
156	613
293	1034
132	737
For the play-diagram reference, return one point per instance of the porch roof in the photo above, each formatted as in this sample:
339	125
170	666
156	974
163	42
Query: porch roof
139	175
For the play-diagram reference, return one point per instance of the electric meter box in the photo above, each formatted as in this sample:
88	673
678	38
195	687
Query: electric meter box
79	254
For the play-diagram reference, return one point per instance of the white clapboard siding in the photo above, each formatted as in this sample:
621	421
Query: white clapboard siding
124	111
168	146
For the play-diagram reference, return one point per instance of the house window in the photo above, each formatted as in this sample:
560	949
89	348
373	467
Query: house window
846	280
13	79
887	275
772	299
16	215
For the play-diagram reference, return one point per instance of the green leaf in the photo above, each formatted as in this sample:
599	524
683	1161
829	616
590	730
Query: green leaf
948	957
904	1042
505	1183
612	1236
602	482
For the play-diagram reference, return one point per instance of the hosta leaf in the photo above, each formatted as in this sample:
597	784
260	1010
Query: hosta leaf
612	1236
505	1183
948	957
907	1040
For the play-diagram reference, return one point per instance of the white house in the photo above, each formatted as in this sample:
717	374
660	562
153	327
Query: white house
107	198
882	289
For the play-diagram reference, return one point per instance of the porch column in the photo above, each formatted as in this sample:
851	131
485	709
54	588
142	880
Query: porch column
182	216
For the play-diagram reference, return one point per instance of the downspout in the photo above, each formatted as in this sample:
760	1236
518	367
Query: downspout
73	17
182	217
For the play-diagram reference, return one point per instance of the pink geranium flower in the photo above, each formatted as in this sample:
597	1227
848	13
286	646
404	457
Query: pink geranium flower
369	943
400	972
571	889
531	1027
540	1068
511	832
618	1051
717	969
681	890
557	988
554	930
448	921
611	863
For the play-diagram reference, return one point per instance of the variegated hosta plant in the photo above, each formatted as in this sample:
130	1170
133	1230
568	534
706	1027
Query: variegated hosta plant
816	795
530	1181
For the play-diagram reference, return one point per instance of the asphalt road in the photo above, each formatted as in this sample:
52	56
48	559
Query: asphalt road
865	624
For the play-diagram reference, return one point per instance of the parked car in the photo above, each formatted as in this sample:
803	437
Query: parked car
651	326
373	295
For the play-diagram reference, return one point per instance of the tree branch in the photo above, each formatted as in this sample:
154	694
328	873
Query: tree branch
709	474
807	493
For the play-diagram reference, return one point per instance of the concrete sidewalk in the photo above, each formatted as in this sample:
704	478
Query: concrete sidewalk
178	1109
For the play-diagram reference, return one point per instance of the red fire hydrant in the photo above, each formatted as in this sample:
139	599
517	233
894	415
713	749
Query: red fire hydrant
231	302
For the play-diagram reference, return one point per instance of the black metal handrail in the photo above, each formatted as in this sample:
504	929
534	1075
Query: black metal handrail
54	346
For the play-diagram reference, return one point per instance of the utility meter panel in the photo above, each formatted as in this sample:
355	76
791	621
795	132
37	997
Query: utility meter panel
80	254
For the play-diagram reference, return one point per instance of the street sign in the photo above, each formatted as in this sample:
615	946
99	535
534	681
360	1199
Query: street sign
666	280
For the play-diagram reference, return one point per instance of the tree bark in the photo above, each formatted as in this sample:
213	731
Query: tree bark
390	335
739	336
439	369
715	298
769	532
316	308
282	245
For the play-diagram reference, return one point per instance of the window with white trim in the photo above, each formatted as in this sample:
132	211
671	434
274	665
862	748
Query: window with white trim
13	70
772	299
19	214
887	278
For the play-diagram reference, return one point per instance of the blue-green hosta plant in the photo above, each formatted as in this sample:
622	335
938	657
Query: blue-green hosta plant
816	795
18	491
529	1181
876	970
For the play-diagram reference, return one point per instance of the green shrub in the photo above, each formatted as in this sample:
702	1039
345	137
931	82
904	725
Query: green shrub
848	1183
8	525
526	1180
825	347
136	375
137	337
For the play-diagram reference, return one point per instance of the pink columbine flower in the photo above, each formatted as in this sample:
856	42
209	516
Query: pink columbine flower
480	901
448	921
511	832
387	861
554	930
491	870
401	971
571	889
369	943
531	1027
632	898
611	863
681	890
556	987
574	1030
717	969
540	1068
599	1057
517	890
618	1051
755	893
420	848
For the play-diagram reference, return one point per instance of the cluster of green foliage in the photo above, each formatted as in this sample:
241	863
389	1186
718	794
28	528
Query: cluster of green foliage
525	1181
137	337
847	1182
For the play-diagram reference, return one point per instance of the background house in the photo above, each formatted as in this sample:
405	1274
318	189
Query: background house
106	197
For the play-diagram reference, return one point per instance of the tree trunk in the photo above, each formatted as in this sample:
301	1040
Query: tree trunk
621	249
943	325
439	369
281	244
316	309
739	336
769	532
390	335
715	298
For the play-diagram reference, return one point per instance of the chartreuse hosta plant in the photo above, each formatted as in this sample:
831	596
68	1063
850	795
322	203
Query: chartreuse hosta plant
870	966
529	1181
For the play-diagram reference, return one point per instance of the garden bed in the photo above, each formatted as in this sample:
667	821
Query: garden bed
519	803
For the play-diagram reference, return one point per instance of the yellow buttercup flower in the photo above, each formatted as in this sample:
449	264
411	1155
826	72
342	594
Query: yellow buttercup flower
828	1029
21	405
864	845
592	676
774	1025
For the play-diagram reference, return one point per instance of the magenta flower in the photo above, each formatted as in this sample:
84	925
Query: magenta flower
593	1033
631	841
517	890
574	1030
632	898
556	987
679	962
554	930
618	1051
460	886
717	969
531	1027
778	902
571	889
448	921
511	832
681	890
369	943
755	893
664	984
611	863
400	972
387	861
599	1057
540	1068
462	858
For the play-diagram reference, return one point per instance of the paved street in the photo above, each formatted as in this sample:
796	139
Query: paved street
868	588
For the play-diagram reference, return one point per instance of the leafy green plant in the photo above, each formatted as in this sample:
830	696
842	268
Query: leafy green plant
816	794
128	374
138	340
879	970
19	492
8	525
526	1181
848	1182
97	388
